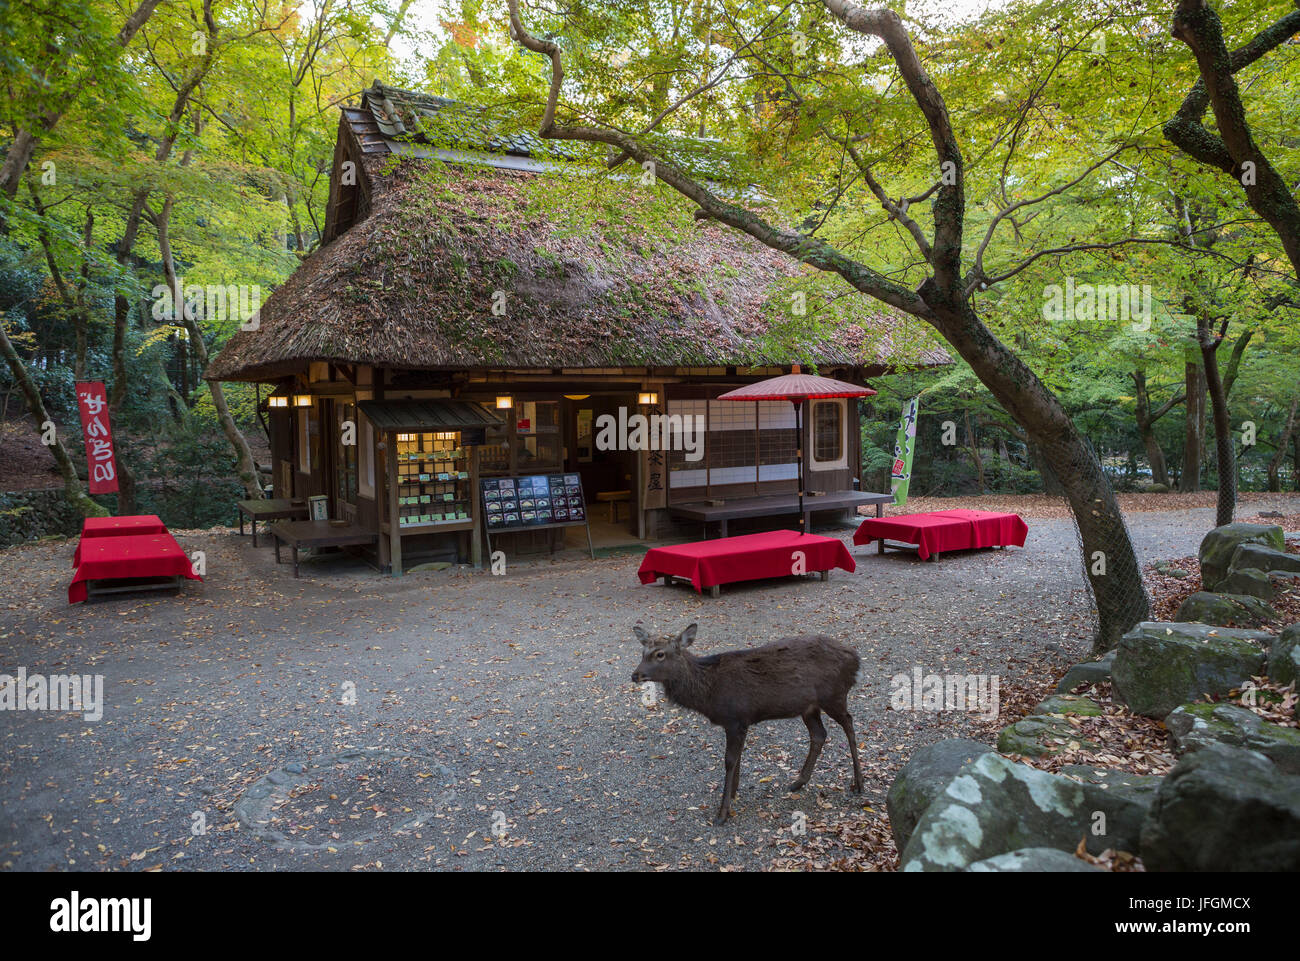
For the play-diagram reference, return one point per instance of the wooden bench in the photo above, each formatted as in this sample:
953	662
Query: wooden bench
270	509
300	535
776	505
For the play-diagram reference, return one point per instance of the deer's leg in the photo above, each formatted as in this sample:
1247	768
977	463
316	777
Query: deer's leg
845	720
735	744
816	738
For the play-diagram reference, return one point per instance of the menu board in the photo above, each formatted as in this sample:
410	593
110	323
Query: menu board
542	500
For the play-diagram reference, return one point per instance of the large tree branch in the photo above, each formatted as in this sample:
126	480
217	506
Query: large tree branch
1234	150
810	250
977	270
950	205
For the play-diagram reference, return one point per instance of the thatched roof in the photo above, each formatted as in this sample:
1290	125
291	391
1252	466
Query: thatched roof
583	271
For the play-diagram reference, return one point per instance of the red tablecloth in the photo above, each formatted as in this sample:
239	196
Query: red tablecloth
118	527
938	531
131	555
745	558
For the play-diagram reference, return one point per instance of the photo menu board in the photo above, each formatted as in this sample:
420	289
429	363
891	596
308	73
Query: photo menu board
541	500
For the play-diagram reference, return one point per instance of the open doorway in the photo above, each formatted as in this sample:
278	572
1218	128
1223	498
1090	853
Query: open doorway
608	472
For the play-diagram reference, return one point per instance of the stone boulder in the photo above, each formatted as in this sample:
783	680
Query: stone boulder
923	777
1124	799
1038	735
996	805
1087	672
1068	704
1248	581
1224	809
1219	546
1260	558
1035	860
1192	727
1224	609
1047	730
1284	656
1159	666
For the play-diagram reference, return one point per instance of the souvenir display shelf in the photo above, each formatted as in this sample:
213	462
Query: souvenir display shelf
435	490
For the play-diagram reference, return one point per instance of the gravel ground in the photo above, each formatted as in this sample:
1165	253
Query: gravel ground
501	702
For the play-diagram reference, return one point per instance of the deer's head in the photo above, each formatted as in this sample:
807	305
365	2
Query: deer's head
663	659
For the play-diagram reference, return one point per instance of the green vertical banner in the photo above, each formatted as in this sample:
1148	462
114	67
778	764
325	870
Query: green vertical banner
901	475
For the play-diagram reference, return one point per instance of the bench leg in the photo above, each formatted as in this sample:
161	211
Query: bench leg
715	591
295	560
880	510
666	578
723	530
880	546
241	523
254	526
826	575
277	548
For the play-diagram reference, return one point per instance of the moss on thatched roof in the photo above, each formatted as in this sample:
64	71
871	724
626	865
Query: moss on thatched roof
474	267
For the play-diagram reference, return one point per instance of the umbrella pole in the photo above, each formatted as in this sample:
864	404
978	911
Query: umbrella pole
798	446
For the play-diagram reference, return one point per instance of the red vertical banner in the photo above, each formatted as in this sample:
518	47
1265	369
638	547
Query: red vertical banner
101	464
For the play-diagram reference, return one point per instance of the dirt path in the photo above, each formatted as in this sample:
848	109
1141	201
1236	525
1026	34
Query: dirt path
505	701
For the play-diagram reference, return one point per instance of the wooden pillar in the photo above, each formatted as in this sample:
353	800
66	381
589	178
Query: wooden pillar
475	535
394	510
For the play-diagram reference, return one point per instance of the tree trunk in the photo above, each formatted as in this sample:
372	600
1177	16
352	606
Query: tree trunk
1226	456
1146	420
1194	430
1275	462
1233	145
973	449
245	465
72	489
1109	561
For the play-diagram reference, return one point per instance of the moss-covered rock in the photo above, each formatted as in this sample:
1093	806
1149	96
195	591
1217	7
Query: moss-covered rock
1261	558
1224	609
996	805
1220	544
1039	735
1087	672
1247	582
1224	809
1036	860
1193	726
1284	656
922	778
1159	666
1068	704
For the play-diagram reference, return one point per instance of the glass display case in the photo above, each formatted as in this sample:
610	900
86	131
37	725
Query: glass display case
434	487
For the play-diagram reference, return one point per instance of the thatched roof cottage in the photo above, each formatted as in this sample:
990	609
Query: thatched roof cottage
499	297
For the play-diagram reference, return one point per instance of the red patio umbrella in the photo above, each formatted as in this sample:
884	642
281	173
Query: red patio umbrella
797	388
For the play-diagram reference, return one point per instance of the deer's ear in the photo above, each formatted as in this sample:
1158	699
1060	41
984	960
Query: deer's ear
640	635
687	637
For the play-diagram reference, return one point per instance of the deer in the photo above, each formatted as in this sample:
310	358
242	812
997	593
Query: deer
793	677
